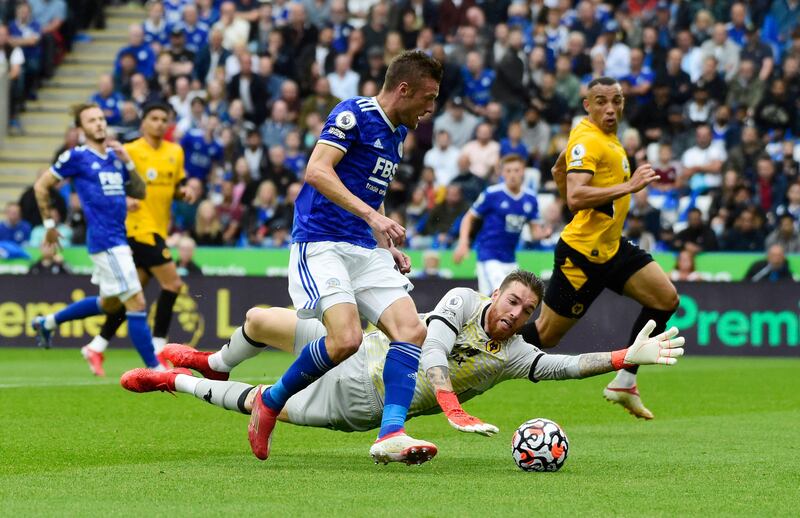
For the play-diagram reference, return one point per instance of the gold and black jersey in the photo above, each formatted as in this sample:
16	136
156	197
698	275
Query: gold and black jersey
596	232
162	170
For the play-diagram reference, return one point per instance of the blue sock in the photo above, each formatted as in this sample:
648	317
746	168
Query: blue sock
312	363
88	307
400	380
140	335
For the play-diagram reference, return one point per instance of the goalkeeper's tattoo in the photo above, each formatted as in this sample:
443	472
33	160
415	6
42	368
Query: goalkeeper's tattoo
440	378
592	364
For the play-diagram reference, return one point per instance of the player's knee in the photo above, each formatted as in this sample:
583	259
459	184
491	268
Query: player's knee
343	344
173	285
548	337
258	321
670	300
136	303
414	333
110	305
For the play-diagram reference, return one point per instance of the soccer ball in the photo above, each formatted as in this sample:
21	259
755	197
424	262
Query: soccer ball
539	445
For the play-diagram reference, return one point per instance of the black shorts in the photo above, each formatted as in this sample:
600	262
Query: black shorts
147	256
576	281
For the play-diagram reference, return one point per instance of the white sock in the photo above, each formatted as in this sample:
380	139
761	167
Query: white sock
98	344
624	379
230	395
159	343
185	384
237	350
50	322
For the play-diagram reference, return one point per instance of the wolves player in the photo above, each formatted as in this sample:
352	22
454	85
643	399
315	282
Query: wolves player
102	177
343	260
504	208
470	347
595	179
161	165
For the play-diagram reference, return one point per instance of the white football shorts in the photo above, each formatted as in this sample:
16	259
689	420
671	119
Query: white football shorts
115	273
326	273
491	274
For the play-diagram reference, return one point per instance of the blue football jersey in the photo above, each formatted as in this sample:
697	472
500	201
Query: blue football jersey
372	148
100	182
200	155
478	90
196	36
504	216
110	105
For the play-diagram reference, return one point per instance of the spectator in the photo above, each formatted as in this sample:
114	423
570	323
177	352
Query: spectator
702	163
746	89
182	57
295	157
108	100
51	16
685	268
548	102
64	231
770	188
457	121
340	25
678	81
26	33
184	214
14	228
249	88
128	129
142	53
140	92
776	111
201	149
640	78
230	213
281	176
568	87
277	127
699	110
185	262
235	30
13	60
322	102
154	26
743	157
508	88
50	262
637	234
785	235
697	237
194	30
343	81
443	159
208	227
724	50
483	152
772	269
181	102
725	129
264	212
431	264
551	226
76	220
477	81
641	207
745	235
792	204
444	219
299	35
207	12
210	57
512	143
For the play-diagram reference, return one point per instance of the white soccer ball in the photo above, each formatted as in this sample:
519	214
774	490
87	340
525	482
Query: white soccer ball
539	445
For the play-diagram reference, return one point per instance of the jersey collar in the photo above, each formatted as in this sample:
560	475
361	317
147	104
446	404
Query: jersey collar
383	114
515	197
95	153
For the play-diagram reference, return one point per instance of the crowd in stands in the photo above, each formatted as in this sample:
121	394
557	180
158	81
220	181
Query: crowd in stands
712	97
34	37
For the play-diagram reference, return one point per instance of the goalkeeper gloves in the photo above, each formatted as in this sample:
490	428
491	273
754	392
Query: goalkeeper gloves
664	349
458	418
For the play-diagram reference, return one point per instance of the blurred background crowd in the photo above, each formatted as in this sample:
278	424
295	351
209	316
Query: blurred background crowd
712	96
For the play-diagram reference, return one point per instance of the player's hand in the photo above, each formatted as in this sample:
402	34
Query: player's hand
663	349
461	251
386	227
119	150
402	260
642	177
463	422
132	204
52	237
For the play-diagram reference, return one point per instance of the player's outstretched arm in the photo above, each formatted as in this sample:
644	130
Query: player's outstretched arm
41	190
321	175
559	172
663	349
464	231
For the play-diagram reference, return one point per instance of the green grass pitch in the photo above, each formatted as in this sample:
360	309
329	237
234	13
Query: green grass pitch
725	441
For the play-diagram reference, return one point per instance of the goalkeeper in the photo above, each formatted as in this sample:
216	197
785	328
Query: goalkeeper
471	346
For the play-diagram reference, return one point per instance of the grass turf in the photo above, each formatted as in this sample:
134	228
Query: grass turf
726	440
